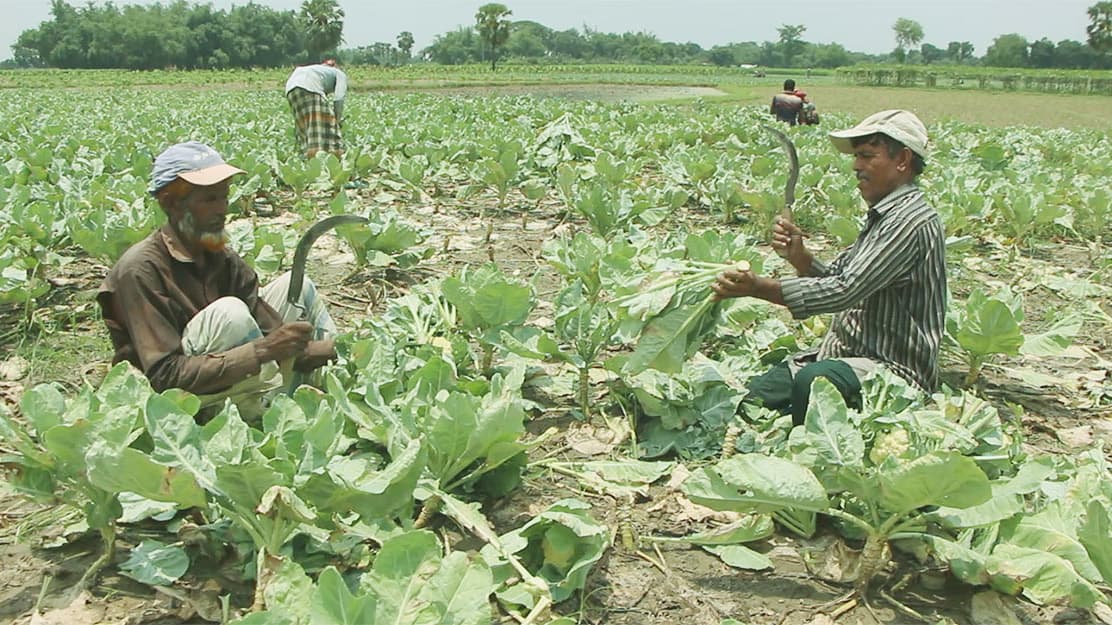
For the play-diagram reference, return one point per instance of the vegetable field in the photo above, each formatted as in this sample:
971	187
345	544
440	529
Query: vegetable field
534	418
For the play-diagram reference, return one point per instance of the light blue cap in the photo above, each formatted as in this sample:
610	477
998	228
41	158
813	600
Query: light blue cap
194	162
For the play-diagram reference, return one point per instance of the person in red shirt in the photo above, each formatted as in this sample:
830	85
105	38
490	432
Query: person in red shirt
786	104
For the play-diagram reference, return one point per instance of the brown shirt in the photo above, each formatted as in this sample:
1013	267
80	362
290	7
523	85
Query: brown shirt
151	294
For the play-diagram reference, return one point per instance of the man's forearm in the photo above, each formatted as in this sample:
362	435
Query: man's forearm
803	266
769	290
204	373
317	354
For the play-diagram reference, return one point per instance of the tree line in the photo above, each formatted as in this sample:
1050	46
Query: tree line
195	36
178	34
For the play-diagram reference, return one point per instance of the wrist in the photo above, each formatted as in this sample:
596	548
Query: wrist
802	264
262	351
769	290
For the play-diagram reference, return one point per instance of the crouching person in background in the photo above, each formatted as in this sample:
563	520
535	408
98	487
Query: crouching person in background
187	311
787	104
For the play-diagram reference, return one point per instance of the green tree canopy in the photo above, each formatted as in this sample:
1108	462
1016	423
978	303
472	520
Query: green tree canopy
1100	26
908	35
791	41
405	45
959	51
931	54
528	40
1007	51
456	47
493	27
323	21
178	34
721	56
1042	53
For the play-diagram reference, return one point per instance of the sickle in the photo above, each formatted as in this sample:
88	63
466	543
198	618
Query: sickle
301	253
793	174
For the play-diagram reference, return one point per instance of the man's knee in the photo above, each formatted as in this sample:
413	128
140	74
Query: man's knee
231	311
837	372
771	389
220	326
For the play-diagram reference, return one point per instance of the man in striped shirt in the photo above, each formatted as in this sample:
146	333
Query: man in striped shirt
887	290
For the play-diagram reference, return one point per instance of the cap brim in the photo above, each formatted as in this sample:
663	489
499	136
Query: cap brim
843	139
211	175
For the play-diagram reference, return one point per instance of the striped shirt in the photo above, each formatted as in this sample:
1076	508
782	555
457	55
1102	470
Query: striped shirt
888	290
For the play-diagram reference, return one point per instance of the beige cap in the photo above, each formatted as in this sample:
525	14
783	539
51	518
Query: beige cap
194	162
210	175
903	126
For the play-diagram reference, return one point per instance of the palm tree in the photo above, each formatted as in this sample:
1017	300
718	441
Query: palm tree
791	41
908	35
1100	26
405	45
323	21
493	27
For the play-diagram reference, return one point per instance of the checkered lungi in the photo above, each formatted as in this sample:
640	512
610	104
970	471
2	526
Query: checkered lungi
317	126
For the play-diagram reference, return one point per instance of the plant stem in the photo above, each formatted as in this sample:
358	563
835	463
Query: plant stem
259	602
975	363
539	609
847	517
584	384
108	538
686	279
428	509
488	359
872	560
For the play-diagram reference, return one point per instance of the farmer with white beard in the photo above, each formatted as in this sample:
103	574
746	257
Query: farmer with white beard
187	311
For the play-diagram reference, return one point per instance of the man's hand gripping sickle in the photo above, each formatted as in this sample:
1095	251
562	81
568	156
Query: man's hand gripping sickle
787	238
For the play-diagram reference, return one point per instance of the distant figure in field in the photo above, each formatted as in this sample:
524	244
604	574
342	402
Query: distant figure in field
787	104
792	106
808	114
318	124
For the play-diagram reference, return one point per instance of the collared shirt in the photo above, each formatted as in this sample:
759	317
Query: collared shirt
320	79
151	294
888	290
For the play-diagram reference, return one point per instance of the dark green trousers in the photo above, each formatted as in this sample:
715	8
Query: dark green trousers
779	390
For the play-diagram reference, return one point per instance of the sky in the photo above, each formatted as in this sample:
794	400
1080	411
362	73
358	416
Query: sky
859	25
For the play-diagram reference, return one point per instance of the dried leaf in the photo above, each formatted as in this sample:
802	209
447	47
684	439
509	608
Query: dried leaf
696	513
988	608
593	441
79	612
679	474
13	369
1103	612
1078	438
829	558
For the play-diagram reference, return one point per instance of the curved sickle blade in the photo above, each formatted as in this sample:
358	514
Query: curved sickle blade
793	174
301	253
